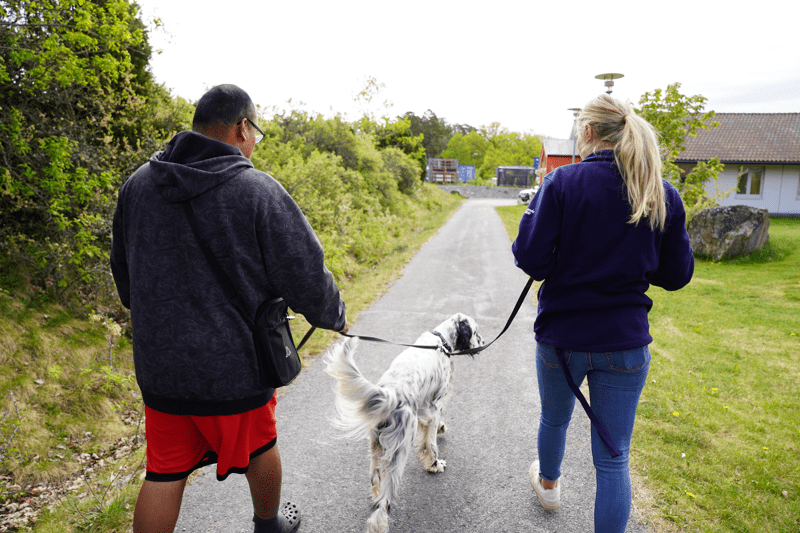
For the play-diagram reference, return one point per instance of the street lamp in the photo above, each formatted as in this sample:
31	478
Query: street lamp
609	80
575	112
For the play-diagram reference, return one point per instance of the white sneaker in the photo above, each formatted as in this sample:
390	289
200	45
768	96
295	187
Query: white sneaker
549	498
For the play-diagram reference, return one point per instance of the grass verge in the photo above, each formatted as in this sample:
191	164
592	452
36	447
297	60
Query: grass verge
71	431
717	436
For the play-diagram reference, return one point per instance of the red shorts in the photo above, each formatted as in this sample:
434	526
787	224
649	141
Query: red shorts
177	445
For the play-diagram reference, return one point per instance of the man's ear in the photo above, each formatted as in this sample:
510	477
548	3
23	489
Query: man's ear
242	131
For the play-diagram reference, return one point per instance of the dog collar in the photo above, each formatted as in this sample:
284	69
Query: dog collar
447	348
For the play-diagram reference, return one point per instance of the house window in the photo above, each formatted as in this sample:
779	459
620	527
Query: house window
751	181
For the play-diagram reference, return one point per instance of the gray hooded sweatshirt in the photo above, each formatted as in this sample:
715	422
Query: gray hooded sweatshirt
193	352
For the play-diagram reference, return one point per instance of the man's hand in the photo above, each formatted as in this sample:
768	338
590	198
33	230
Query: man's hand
345	329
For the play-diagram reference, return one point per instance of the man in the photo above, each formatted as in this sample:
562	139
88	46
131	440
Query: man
194	356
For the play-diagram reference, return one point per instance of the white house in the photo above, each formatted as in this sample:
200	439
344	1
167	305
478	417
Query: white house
761	154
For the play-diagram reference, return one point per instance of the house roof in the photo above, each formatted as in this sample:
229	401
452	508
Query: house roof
557	146
747	138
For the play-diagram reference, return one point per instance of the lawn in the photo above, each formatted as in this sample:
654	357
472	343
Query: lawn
717	438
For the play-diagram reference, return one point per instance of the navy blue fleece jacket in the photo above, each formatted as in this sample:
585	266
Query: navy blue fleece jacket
192	350
595	265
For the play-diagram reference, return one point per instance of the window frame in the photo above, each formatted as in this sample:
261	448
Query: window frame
749	171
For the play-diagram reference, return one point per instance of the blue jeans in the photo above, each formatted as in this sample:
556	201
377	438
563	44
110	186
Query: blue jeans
616	380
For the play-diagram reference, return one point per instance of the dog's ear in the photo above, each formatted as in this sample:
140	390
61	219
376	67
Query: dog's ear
463	334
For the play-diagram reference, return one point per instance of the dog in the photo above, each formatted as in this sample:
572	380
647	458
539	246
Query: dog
402	410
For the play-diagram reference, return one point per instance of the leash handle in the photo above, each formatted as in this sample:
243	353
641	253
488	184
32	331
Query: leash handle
579	395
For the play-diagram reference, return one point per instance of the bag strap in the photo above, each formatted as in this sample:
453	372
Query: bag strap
223	278
579	395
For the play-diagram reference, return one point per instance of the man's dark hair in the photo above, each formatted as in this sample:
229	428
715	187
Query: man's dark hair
223	105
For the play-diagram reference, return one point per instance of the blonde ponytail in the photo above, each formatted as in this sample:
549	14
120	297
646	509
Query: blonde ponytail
636	151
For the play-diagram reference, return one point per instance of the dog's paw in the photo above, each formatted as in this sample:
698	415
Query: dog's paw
379	521
437	467
442	428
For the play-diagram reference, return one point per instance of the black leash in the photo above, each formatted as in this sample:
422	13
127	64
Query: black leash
579	395
306	337
470	351
473	351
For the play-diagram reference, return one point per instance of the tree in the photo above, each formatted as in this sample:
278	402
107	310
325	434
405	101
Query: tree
510	149
397	134
463	129
73	81
675	117
336	136
364	99
469	149
435	132
492	147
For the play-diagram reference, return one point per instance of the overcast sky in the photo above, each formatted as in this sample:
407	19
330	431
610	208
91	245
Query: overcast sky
516	62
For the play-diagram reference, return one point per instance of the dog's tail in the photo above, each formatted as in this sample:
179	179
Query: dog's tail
360	404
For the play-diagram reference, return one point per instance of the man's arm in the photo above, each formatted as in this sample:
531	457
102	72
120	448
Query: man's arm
295	263
119	259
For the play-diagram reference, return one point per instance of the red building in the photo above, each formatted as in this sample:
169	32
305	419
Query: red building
557	153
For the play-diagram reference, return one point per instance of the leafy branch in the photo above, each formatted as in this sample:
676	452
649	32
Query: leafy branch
676	117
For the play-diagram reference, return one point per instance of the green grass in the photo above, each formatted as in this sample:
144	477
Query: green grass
717	438
67	389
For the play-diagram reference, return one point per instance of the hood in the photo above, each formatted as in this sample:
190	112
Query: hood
192	164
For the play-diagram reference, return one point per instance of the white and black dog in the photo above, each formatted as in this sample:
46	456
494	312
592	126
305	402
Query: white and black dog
408	397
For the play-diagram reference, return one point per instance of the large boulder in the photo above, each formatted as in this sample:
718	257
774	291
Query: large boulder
724	232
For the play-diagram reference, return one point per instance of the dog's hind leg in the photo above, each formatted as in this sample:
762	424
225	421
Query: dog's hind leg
379	521
377	471
391	448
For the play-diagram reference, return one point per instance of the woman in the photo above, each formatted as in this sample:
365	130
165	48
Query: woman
599	233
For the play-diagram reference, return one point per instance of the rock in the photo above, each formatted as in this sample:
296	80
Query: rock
725	232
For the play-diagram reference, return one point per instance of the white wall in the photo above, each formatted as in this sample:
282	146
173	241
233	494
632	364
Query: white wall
790	191
780	191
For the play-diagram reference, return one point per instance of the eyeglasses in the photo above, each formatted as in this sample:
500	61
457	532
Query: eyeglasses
260	136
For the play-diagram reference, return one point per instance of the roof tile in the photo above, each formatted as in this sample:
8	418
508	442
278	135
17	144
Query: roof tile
747	137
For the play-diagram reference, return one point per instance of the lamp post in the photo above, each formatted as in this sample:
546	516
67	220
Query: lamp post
609	80
575	112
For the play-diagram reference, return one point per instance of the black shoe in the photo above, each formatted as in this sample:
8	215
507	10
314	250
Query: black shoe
286	521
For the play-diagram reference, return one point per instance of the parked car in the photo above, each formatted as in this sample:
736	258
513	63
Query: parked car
526	195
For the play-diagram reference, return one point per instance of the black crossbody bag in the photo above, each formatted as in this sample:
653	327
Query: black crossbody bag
278	362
